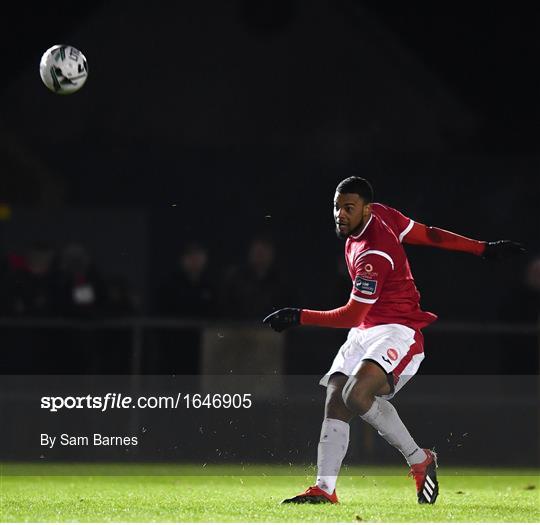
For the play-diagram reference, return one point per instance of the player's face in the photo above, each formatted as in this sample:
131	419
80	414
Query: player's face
350	214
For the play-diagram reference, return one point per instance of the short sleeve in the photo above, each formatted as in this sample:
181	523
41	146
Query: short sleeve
399	223
371	269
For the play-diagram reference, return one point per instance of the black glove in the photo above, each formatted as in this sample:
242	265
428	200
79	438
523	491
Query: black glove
283	319
498	250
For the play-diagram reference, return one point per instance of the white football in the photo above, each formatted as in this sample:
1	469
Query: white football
63	69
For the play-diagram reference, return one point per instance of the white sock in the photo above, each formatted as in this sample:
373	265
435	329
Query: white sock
332	449
383	417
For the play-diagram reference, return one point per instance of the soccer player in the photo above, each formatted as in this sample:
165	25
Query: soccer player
385	346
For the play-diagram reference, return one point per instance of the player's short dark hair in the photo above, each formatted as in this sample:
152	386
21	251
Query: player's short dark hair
356	185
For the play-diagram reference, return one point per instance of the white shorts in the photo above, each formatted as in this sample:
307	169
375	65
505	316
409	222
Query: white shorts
396	348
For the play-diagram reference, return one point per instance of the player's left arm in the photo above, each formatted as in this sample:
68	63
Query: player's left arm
412	232
420	234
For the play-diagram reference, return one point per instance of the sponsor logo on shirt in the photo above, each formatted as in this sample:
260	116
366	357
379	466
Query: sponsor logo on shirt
367	272
366	286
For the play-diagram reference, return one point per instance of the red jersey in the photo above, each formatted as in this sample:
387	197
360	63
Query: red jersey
380	271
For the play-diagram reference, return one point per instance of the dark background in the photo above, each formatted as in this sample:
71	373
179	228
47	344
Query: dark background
219	120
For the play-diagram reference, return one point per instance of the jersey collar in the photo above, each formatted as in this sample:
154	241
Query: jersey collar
363	229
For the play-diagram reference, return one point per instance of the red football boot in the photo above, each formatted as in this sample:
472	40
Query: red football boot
313	495
425	475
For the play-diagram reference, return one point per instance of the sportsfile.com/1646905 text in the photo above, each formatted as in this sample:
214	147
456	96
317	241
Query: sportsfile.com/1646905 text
119	401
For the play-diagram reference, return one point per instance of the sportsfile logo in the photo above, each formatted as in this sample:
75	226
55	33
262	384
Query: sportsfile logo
106	402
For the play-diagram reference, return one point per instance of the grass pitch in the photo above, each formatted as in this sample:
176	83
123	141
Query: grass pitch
161	493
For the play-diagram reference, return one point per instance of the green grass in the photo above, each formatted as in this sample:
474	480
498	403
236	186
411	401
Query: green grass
150	493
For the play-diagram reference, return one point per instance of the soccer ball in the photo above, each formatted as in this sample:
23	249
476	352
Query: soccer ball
63	69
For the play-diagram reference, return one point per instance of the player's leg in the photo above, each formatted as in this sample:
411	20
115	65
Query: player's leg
334	440
361	388
360	396
334	406
333	445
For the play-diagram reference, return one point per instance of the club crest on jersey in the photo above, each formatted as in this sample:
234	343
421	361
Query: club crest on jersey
367	286
392	354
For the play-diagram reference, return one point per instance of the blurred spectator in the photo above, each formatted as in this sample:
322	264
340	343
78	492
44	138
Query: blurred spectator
521	305
532	280
332	291
122	300
80	288
28	283
255	287
189	290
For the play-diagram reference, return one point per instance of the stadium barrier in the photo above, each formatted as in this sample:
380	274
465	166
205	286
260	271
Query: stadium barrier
469	416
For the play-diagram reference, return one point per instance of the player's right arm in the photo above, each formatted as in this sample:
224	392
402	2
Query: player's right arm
371	269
